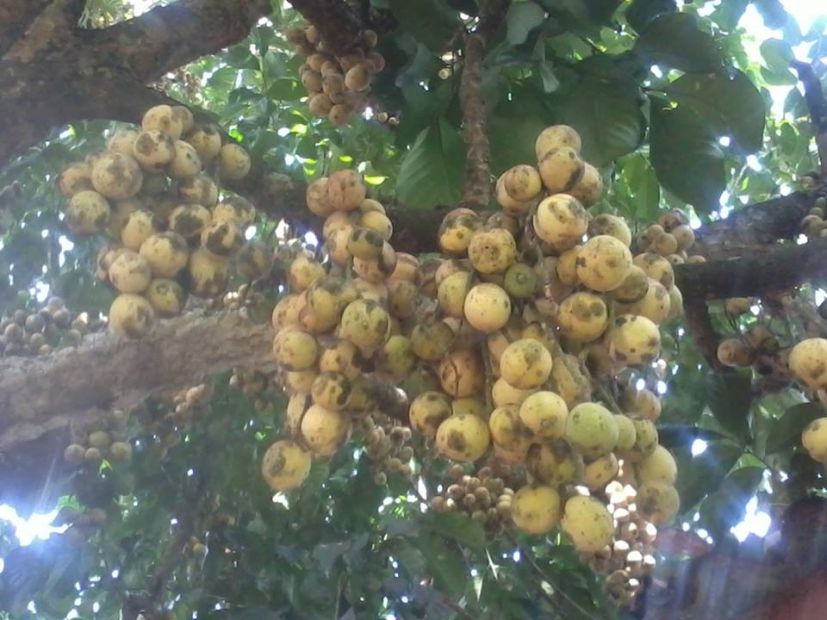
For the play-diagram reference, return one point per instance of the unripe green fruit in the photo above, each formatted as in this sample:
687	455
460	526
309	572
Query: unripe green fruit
520	281
592	430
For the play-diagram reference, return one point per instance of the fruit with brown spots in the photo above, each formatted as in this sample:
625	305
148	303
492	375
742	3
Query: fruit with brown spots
603	263
808	362
544	413
561	169
588	523
657	501
556	136
583	317
131	316
536	509
487	307
285	465
87	213
463	438
561	221
234	162
130	273
75	178
153	150
207	274
428	411
814	440
166	254
634	340
167	297
295	349
189	220
525	364
366	324
461	373
222	238
592	430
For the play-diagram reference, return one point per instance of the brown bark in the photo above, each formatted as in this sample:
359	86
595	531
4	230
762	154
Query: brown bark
337	23
15	19
817	105
477	184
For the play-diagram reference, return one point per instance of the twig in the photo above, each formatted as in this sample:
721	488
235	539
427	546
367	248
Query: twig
700	329
817	105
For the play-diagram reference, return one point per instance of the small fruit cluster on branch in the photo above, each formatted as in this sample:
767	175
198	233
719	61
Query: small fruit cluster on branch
42	331
155	192
813	224
337	85
487	347
484	497
105	440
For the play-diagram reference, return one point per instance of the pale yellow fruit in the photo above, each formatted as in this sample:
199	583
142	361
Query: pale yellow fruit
285	465
331	390
561	221
316	199
234	162
222	238
324	431
566	268
685	236
735	352
163	118
131	316
507	431
185	163
123	141
641	403
207	274
130	273
428	411
452	292
116	176
808	362
166	297
656	267
206	140
461	373
286	312
588	523
342	357
659	466
603	263
464	438
376	270
300	381
153	150
612	225
364	243
87	213
544	413
600	472
646	441
675	303
75	178
633	288
366	324
592	430
295	349
554	137
345	190
655	305
120	210
139	226
561	169
397	358
525	364
522	182
166	254
407	266
589	188
431	340
503	393
554	463
626	433
189	220
665	244
634	340
378	222
536	509
492	251
487	307
200	190
583	317
456	231
814	440
658	502
509	205
293	414
470	405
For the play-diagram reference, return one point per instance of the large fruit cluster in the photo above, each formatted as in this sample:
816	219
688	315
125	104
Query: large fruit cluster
41	331
155	192
337	85
489	344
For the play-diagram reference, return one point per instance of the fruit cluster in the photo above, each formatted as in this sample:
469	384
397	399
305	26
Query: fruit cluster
42	331
107	440
337	85
155	192
808	364
813	224
484	497
489	343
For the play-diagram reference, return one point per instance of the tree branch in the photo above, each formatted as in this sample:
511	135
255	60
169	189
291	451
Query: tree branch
700	329
337	23
15	19
817	105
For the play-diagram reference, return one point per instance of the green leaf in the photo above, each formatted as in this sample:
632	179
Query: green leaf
641	12
445	563
732	105
786	430
430	21
686	156
729	397
674	40
643	186
608	117
521	19
457	526
777	55
513	127
431	172
701	475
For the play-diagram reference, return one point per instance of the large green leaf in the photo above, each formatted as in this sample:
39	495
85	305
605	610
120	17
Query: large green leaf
729	397
458	526
431	172
521	19
674	40
786	431
513	127
686	156
643	186
731	104
608	117
446	564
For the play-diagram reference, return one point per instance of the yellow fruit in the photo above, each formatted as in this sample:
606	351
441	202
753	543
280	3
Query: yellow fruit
342	357
589	188
130	273
655	305
166	254
285	465
366	324
233	162
331	390
525	364
120	210
658	502
140	225
685	236
656	267
634	340
206	139
235	209
600	472
470	405
641	403
87	213
464	438
397	359
592	430
461	373
166	297
407	266
536	509
487	307
814	440
544	413
75	178
153	150
522	182
131	316
295	349
583	317
554	463
452	292
603	263
428	411
316	198
675	303
561	221
123	142
323	430
633	288
612	225
507	431
286	311
626	433
456	231
659	466
588	523
561	169
377	221
735	352
163	118
554	137
509	205
189	220
646	441
431	340
300	381
808	362
345	190
185	163
200	190
222	238
492	251
207	274
566	267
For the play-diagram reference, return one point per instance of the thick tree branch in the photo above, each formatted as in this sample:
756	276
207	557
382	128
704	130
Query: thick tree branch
15	19
817	105
337	23
700	329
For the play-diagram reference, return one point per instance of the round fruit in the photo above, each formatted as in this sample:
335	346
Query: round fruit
122	141
116	176
163	118
561	221
626	433
522	182
222	238
75	178
588	523
185	163
657	501
601	472
139	226
365	323
814	440
554	463
656	267
331	390
345	190
208	274
561	169
431	340
634	340
166	297
520	281
525	364
633	288
589	188
503	393
87	213
613	226
507	432
285	465
544	413
583	317
295	349
189	220
642	403
554	137
659	466
487	307
120	210
199	190
808	362
130	272
536	509
131	316
233	162
461	373
166	253
735	352
397	359
592	430
253	260
323	430
464	438
153	150
456	231
646	441
492	251
428	411
603	263
654	305
206	140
